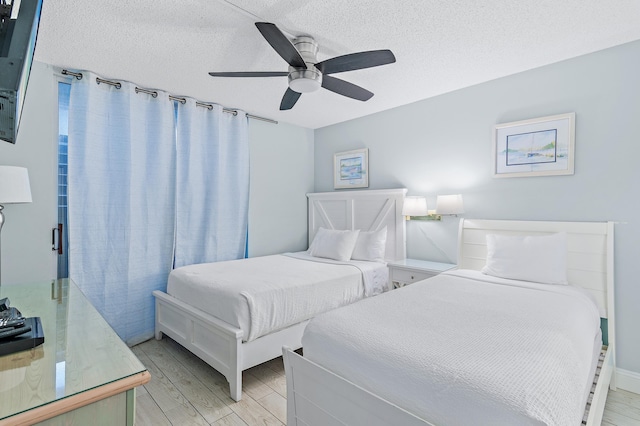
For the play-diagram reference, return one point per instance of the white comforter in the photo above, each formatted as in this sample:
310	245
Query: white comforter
264	294
466	349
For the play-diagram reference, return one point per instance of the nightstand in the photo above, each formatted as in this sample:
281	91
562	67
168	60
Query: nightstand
408	271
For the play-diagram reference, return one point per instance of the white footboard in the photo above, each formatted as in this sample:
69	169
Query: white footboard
212	340
316	396
218	343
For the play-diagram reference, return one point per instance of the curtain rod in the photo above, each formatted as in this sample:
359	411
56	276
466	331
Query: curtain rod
154	93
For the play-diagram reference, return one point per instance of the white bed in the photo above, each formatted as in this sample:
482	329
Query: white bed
235	315
264	294
437	353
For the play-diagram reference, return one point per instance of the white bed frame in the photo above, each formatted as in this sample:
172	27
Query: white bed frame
220	344
317	396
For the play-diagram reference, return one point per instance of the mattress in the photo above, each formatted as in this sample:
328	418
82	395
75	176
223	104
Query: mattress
265	294
463	348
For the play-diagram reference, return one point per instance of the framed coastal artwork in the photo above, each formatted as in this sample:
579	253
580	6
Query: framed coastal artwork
538	147
351	169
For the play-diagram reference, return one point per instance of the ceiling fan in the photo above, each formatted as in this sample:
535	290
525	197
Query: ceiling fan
306	74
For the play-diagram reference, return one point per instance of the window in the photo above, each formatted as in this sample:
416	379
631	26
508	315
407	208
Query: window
63	136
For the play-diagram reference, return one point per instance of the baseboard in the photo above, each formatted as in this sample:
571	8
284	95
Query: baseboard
628	380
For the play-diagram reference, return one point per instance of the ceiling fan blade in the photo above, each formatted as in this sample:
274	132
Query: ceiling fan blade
250	74
345	88
356	61
289	99
281	44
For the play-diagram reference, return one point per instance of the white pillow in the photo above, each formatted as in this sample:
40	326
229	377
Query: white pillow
333	244
541	259
371	245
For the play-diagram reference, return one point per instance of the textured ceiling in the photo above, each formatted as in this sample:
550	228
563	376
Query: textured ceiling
440	46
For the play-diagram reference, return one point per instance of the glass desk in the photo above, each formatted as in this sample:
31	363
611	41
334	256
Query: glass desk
83	372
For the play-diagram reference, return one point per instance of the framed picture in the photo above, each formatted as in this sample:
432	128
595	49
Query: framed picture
537	147
351	169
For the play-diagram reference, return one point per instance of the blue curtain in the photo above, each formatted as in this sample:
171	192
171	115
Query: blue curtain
212	184
122	163
149	187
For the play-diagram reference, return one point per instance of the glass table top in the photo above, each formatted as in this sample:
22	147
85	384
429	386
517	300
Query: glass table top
80	352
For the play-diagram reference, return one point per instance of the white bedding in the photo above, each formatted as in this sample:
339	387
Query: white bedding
264	294
464	348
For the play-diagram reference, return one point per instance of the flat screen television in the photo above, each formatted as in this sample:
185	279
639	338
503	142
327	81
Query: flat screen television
19	21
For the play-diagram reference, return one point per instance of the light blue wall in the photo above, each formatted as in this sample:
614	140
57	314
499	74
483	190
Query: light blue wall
281	176
443	145
26	235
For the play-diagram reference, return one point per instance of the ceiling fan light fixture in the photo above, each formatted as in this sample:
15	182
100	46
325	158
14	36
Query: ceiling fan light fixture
305	80
305	73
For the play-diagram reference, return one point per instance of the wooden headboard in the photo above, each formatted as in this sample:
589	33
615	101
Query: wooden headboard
368	210
589	258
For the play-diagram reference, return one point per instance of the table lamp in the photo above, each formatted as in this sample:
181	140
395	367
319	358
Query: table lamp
414	206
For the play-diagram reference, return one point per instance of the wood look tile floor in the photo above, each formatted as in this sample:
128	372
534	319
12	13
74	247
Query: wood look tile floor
184	390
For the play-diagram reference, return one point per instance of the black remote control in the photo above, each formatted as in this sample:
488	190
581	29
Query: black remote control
11	318
13	323
7	333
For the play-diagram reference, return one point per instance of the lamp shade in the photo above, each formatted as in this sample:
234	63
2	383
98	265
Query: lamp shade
14	185
414	206
449	204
